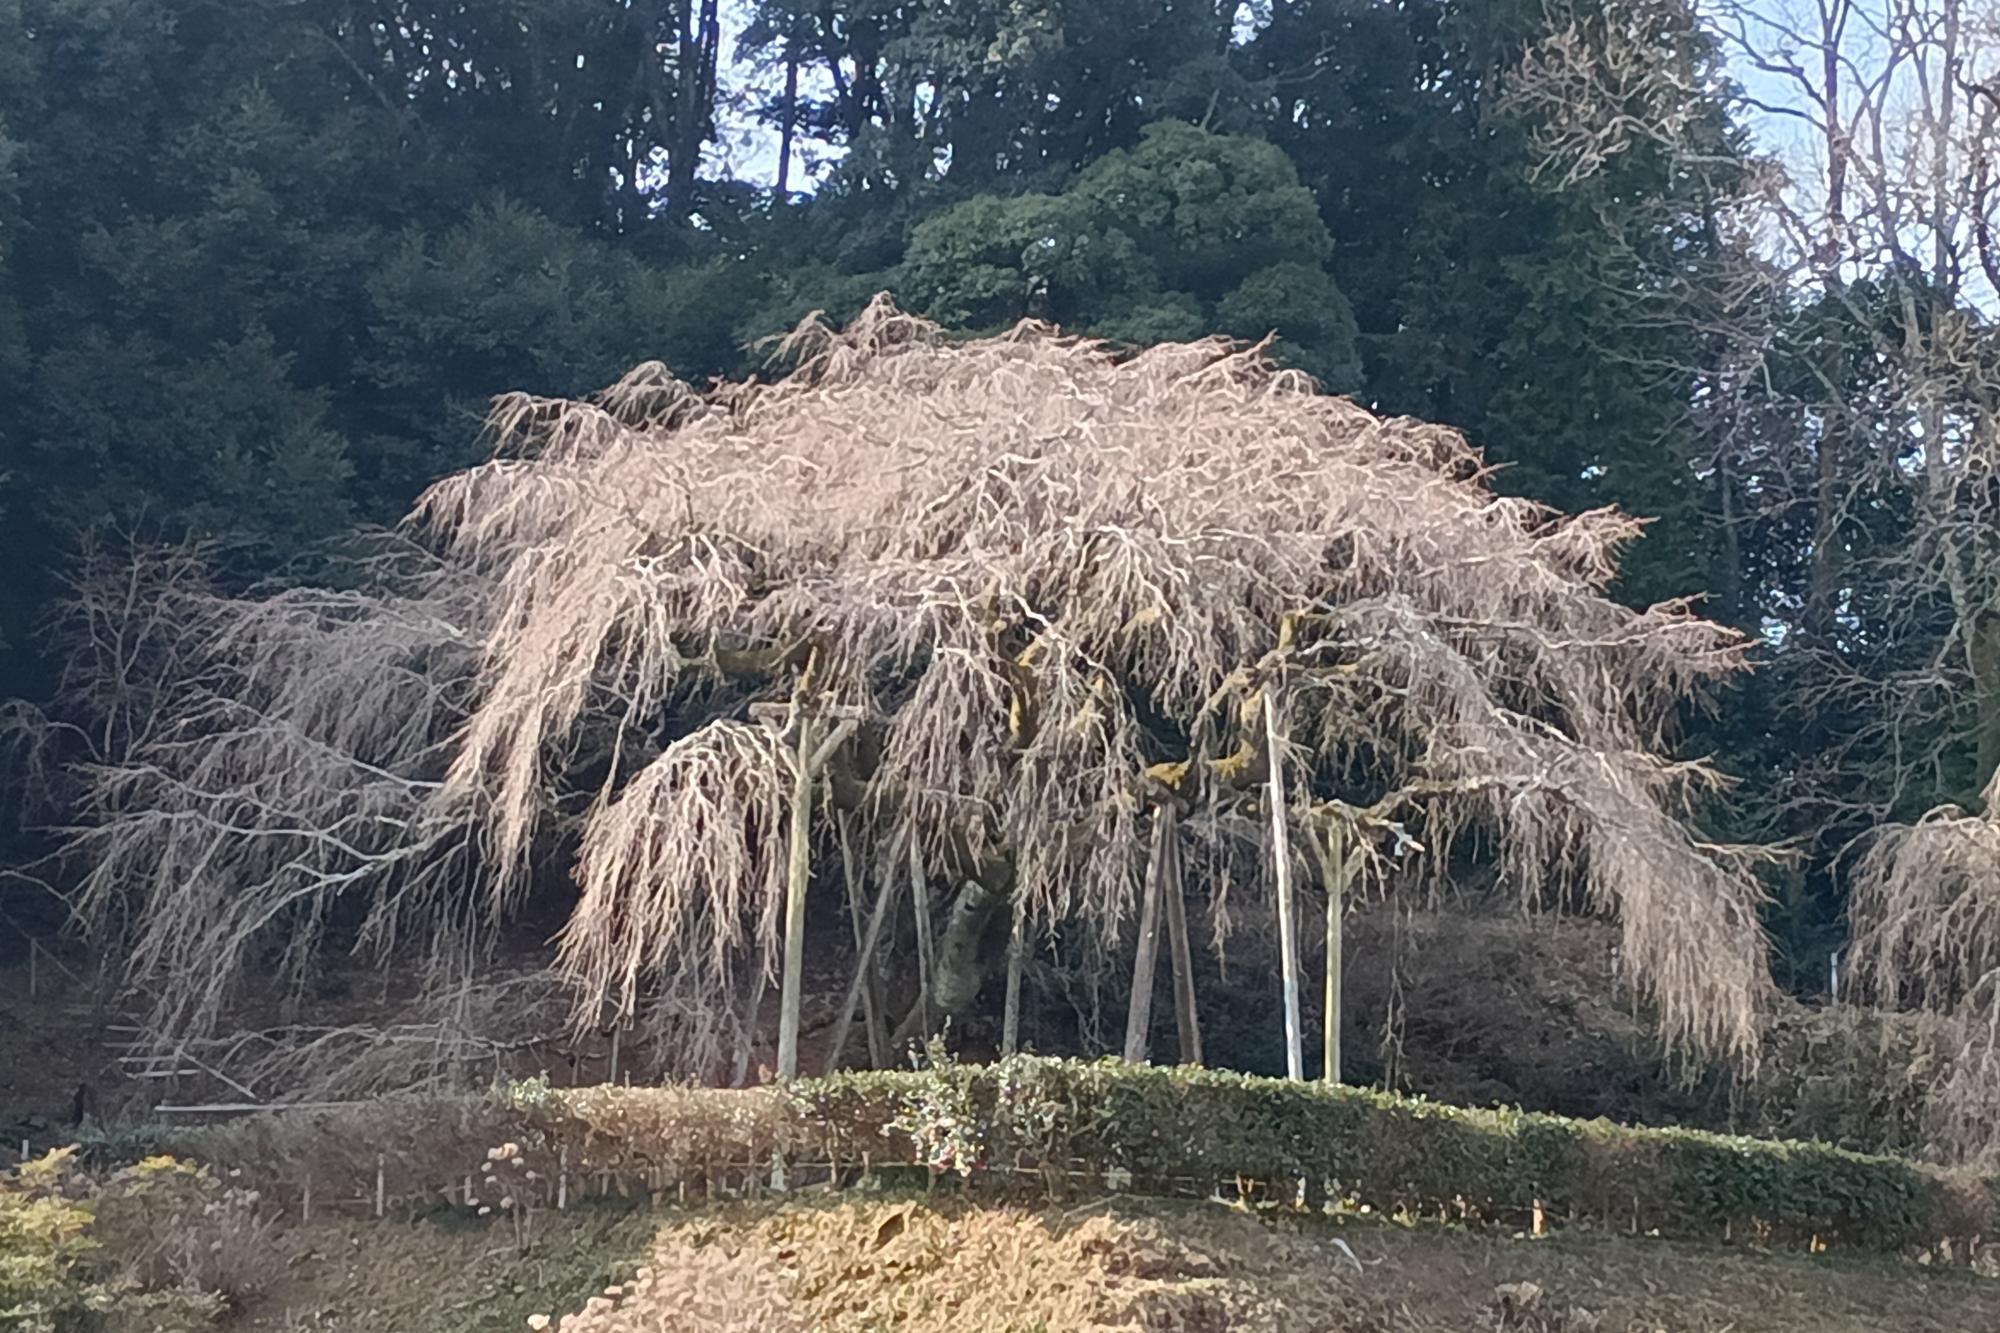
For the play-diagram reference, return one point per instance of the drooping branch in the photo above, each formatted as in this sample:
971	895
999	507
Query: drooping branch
1041	578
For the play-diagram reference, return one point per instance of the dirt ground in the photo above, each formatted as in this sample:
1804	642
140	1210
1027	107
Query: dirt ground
930	1266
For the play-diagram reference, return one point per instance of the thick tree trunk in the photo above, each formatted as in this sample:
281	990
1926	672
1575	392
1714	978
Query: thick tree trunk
789	127
693	110
961	961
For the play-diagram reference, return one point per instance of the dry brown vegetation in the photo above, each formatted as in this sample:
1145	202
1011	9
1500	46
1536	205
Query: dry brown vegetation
1927	896
941	1266
1021	587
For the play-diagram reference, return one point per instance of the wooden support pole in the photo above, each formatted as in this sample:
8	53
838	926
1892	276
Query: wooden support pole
920	901
1010	1013
306	1202
1337	869
615	1031
1139	1012
864	952
381	1185
857	989
1180	949
1281	856
798	873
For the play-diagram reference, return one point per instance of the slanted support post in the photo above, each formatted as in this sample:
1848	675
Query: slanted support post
864	980
1180	949
1139	1012
1281	855
1338	861
866	933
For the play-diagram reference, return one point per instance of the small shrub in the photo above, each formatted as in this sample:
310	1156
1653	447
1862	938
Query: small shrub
45	1245
130	1254
170	1225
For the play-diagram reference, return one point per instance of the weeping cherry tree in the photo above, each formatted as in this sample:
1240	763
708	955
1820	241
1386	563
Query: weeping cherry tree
983	634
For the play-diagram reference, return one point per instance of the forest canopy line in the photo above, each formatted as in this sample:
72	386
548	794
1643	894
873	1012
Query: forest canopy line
265	267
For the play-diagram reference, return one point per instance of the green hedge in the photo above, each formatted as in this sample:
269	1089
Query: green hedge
1027	1119
1401	1154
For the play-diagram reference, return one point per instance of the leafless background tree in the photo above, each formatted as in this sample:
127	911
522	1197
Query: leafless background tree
1853	407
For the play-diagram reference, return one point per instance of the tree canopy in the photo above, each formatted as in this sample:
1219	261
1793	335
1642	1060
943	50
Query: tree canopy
1024	586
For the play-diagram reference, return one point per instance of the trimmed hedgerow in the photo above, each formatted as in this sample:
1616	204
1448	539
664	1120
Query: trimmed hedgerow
1164	1129
1397	1153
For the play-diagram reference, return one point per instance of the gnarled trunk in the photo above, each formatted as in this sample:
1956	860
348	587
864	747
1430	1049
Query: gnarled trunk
967	950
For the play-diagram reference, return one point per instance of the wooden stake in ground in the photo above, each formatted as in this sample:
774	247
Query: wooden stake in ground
798	873
864	948
1281	855
1178	945
864	980
921	902
1010	1014
1139	1012
1338	862
810	757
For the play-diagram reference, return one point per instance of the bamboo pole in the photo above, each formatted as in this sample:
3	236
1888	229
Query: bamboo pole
1179	948
1281	855
864	950
798	872
1336	873
1139	1012
1010	1013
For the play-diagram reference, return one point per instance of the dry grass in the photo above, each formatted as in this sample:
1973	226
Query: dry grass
861	1266
942	1267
